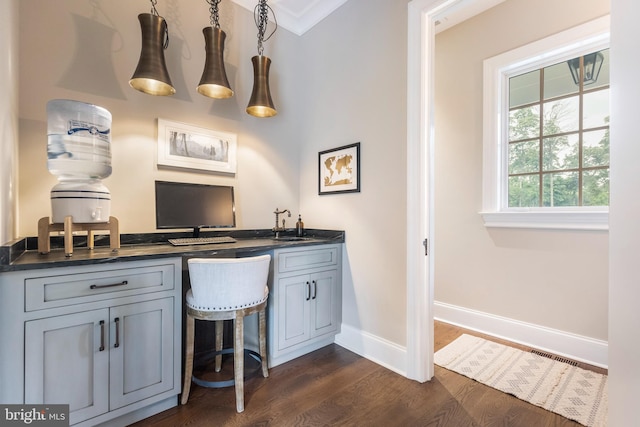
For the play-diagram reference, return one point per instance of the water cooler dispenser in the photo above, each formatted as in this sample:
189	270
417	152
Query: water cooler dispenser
79	155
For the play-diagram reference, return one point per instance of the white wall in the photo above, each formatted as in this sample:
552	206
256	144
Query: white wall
88	51
8	119
624	292
354	80
553	279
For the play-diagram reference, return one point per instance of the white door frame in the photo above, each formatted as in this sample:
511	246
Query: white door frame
420	181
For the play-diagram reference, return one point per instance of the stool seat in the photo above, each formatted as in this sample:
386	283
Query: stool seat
226	289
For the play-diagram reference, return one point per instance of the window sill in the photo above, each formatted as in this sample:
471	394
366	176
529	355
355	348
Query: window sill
562	220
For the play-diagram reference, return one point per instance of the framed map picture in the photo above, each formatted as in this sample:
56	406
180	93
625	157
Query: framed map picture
339	170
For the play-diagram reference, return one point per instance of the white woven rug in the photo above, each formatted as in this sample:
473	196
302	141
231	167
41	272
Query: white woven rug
572	392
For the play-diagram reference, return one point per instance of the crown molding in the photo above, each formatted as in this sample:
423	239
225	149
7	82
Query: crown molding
297	16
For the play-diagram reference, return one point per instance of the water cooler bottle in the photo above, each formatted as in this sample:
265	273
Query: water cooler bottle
79	154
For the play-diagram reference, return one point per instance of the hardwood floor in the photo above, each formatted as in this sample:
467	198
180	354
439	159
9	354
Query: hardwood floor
335	387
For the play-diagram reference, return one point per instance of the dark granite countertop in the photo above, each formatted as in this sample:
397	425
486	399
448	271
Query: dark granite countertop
23	254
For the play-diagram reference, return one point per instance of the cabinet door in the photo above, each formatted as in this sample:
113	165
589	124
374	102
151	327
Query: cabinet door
141	350
294	294
325	306
65	363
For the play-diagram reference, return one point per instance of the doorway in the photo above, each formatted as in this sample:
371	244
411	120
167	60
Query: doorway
420	168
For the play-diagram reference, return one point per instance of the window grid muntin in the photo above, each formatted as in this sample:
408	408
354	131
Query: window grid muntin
540	138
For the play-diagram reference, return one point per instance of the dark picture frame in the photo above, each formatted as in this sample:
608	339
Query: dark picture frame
339	170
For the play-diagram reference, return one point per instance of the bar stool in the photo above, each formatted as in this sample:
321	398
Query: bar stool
223	289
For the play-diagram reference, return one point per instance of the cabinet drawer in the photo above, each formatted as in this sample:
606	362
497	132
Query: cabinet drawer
307	258
82	287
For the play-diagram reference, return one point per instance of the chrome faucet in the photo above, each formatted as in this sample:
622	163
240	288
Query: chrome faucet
277	229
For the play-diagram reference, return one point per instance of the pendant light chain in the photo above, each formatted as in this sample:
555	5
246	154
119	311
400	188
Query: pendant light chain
261	17
154	11
214	12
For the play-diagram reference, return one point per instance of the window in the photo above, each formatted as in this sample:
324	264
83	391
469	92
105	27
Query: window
546	132
558	127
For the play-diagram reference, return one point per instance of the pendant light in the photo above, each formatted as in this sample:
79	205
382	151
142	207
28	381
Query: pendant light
213	82
260	103
151	75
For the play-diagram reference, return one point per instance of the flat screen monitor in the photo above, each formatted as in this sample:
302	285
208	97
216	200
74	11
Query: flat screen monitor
184	205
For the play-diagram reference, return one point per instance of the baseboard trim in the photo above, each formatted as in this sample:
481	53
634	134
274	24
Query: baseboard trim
566	344
385	353
279	357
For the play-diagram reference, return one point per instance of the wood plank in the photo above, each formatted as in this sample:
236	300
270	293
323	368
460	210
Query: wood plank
333	386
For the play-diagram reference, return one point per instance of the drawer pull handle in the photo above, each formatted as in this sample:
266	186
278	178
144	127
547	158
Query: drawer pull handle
308	292
102	335
123	283
117	344
315	289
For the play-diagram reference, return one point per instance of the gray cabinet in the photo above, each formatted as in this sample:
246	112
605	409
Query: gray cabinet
104	339
64	365
305	303
141	353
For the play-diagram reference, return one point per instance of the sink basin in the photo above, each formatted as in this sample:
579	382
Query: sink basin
290	238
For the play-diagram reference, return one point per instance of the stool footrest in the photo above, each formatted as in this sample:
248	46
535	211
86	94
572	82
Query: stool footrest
228	383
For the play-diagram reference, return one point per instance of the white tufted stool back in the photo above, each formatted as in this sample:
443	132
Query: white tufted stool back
226	289
222	284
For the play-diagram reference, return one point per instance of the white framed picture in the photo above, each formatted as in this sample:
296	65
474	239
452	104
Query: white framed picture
191	147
